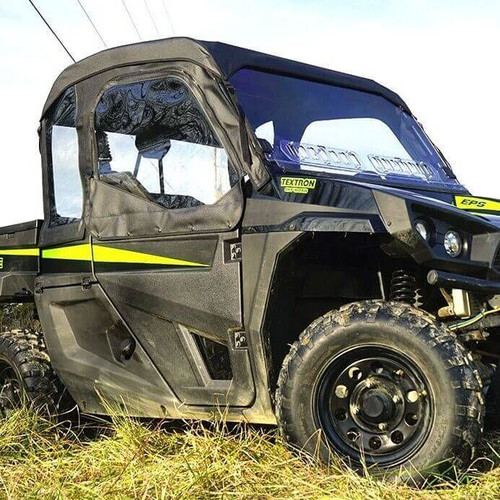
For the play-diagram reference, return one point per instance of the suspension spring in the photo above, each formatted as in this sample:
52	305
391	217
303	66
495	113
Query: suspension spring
403	287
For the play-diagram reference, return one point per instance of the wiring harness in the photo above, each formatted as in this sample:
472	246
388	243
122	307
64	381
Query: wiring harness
475	319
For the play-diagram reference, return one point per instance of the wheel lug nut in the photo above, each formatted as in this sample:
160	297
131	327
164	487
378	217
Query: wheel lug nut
341	391
412	396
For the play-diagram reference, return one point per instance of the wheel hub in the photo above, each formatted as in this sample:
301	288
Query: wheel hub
376	406
374	401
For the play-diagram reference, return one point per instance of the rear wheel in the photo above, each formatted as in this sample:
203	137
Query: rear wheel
382	384
26	376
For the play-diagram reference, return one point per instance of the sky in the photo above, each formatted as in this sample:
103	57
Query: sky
441	56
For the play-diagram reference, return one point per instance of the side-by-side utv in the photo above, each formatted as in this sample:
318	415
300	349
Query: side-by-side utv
228	229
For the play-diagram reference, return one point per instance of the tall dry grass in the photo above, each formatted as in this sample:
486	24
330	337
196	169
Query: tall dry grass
129	459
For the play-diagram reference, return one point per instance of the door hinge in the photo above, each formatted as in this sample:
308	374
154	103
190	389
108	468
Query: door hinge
86	284
232	251
240	339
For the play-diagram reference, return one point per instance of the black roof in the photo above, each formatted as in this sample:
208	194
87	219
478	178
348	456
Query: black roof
219	57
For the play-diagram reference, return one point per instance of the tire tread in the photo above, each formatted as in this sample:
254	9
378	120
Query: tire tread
26	350
468	386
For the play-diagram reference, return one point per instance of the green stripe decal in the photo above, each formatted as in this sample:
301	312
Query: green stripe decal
75	252
117	255
104	254
101	254
24	252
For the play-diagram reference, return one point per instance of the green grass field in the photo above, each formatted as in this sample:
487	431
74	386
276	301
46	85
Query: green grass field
129	459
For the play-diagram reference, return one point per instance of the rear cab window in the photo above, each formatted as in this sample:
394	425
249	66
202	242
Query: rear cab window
66	196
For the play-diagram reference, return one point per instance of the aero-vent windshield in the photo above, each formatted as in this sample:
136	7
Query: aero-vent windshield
317	127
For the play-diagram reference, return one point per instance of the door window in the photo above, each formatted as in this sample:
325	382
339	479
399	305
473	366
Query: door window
62	152
155	142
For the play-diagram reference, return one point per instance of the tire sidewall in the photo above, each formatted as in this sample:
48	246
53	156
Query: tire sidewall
338	339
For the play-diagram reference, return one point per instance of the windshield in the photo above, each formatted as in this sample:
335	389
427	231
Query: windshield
315	127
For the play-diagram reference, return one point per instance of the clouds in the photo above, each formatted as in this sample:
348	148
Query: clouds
440	56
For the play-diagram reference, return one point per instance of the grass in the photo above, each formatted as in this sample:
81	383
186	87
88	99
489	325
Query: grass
130	459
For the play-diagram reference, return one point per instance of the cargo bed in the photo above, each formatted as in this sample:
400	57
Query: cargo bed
19	260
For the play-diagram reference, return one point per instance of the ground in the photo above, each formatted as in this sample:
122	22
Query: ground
125	458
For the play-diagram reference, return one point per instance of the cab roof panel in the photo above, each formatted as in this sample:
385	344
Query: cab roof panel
218	57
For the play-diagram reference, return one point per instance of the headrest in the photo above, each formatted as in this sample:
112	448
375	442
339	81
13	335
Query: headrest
152	143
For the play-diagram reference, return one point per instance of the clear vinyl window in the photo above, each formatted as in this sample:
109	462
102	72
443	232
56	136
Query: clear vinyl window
154	141
316	127
62	150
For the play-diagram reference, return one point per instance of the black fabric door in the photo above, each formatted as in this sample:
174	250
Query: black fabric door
167	184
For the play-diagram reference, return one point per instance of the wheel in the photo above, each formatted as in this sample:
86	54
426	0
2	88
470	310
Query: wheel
384	386
26	376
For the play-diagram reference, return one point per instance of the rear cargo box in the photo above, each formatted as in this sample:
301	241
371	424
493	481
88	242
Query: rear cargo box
20	235
19	260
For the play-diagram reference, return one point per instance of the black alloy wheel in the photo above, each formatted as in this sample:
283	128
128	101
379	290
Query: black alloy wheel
374	401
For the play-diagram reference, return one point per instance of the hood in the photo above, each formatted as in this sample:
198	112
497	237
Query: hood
479	209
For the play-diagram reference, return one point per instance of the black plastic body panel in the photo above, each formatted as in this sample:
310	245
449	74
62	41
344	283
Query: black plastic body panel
17	286
81	328
481	237
260	253
164	305
20	235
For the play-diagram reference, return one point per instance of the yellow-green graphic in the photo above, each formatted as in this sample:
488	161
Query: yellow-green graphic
105	254
75	252
473	203
98	253
23	252
108	254
297	185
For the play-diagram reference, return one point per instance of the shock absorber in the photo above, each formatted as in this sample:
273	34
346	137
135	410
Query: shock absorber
403	287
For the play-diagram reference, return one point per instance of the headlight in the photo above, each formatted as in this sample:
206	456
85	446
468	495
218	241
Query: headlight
453	243
422	229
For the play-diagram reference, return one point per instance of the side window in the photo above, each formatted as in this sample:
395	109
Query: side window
154	141
62	151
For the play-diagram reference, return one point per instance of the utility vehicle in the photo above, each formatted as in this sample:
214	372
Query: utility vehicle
230	232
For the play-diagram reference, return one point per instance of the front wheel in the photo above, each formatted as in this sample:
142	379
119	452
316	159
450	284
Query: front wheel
382	385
